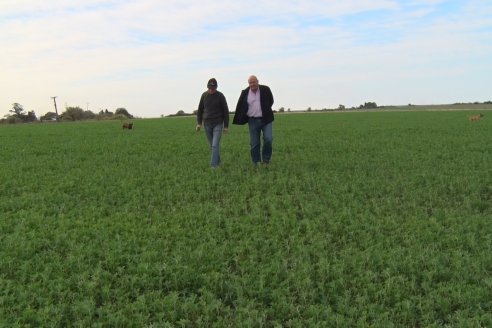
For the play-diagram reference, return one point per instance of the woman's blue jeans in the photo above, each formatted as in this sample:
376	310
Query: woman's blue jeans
256	127
214	133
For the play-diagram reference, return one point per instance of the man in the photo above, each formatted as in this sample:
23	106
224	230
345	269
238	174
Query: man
213	113
255	108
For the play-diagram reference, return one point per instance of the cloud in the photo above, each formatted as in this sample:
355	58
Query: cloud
154	57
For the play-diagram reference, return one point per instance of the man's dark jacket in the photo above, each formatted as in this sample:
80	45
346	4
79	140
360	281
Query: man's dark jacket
266	101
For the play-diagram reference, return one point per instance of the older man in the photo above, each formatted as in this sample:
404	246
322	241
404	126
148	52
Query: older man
255	108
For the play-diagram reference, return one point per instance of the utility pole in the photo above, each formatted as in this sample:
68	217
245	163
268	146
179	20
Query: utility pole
56	109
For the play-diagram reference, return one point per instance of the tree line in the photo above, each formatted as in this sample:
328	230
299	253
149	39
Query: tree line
19	115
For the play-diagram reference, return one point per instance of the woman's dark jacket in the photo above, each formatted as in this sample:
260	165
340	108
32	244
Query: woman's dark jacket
266	101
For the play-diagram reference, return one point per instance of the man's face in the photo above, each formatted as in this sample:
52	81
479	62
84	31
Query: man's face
253	83
212	90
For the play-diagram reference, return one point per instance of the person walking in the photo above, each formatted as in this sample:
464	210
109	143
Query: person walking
255	108
213	114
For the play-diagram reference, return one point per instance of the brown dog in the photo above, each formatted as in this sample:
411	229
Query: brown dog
475	117
128	126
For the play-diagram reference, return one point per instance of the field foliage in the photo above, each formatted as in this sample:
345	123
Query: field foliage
361	219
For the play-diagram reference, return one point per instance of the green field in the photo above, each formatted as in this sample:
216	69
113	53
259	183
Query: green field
361	220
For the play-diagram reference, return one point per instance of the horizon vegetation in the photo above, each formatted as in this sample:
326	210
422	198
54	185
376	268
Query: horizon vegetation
75	113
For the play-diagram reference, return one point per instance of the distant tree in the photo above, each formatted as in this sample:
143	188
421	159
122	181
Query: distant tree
11	119
369	105
17	110
49	116
180	113
309	109
19	115
341	107
106	114
72	114
124	112
31	116
88	115
281	110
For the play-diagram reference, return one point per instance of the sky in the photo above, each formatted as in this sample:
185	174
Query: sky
154	57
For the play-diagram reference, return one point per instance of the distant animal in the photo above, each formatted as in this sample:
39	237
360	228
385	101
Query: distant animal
475	117
128	126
